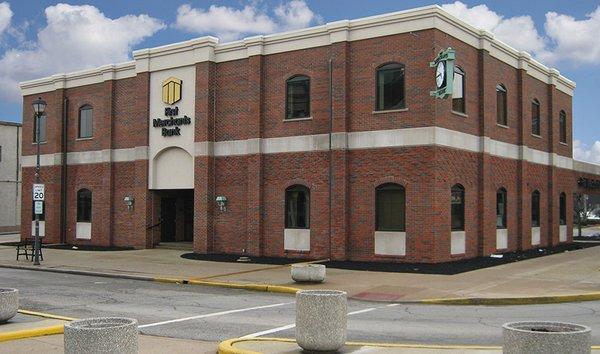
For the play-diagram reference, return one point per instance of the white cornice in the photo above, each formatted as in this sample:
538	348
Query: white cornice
208	49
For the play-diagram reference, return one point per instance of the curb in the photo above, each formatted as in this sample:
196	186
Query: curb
28	333
281	289
46	315
228	346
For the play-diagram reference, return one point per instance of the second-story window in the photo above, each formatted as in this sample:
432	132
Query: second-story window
297	101
501	109
535	117
458	91
562	126
85	122
390	87
43	121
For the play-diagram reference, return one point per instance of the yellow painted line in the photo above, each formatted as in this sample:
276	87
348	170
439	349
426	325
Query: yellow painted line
513	300
46	315
228	346
34	332
254	287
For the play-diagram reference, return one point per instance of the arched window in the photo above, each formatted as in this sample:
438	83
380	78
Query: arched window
562	202
390	87
297	207
390	207
457	205
501	108
535	117
85	121
43	121
84	205
535	209
562	122
458	91
501	200
297	93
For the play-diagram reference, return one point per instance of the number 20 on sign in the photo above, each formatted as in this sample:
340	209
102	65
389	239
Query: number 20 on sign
38	192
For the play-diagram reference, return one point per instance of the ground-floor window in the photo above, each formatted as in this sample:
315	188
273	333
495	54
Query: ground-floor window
457	205
563	209
535	209
390	207
297	201
84	205
501	200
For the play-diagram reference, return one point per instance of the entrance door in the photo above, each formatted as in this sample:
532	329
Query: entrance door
168	214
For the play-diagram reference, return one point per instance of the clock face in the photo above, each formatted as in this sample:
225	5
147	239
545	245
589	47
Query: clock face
440	74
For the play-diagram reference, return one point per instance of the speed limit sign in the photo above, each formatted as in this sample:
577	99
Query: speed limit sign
38	192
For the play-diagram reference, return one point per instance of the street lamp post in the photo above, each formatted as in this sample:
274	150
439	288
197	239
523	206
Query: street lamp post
39	106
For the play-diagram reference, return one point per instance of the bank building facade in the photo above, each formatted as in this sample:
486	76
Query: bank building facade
328	142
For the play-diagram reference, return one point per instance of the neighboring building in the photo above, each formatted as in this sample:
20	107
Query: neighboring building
317	143
10	177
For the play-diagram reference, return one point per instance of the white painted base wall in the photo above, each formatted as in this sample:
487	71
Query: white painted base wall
83	230
390	243
501	239
296	239
42	228
562	233
457	242
535	236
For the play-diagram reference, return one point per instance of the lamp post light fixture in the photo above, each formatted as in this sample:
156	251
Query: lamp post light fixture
39	106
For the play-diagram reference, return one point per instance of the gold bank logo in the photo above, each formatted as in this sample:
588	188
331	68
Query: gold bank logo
171	90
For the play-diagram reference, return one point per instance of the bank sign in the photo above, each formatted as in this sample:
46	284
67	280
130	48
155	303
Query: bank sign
171	123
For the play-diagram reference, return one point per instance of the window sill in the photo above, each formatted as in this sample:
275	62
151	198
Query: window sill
536	136
460	114
502	126
41	143
297	119
84	139
391	111
561	143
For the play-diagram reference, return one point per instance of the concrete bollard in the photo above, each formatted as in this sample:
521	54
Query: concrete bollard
302	272
9	304
101	335
546	338
321	319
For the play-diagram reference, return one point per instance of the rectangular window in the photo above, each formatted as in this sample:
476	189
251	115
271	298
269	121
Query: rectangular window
298	97
297	208
501	110
457	203
535	118
85	122
390	87
390	209
458	92
501	209
563	209
535	209
42	124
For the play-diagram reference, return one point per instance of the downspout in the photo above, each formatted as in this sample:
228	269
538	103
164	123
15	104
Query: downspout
63	175
330	152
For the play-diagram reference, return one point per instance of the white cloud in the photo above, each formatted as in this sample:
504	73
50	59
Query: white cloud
5	16
229	23
575	40
582	152
75	37
518	32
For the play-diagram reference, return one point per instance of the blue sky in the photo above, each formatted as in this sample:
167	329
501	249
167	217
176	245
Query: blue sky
561	34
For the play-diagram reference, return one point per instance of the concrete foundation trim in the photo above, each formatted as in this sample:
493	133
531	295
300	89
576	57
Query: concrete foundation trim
501	239
535	235
562	233
296	239
390	243
83	230
458	241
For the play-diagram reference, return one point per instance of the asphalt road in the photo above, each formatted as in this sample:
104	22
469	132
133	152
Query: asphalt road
215	314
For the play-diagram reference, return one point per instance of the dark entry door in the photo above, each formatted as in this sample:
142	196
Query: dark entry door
168	211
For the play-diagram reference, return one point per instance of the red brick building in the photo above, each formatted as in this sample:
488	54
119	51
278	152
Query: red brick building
318	143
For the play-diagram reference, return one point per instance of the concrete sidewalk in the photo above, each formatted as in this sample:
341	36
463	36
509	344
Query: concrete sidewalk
575	272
